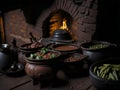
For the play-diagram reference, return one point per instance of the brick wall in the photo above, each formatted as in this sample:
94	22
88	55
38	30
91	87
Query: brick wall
84	15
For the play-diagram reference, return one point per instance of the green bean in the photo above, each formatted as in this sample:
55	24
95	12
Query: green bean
111	76
95	68
108	71
98	73
105	66
115	75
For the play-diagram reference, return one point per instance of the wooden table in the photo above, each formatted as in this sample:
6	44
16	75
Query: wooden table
25	82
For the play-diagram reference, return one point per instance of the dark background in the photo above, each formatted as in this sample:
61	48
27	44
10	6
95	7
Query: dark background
108	21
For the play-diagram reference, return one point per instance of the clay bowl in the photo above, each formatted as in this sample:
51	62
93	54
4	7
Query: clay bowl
42	68
66	48
74	64
50	57
104	82
28	47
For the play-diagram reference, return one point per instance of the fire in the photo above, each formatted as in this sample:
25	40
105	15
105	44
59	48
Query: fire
64	25
57	23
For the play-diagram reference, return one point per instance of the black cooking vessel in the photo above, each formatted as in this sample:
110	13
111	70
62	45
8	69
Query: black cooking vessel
5	57
102	83
97	53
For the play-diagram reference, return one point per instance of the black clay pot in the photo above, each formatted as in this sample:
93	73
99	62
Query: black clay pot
60	34
96	50
5	60
102	83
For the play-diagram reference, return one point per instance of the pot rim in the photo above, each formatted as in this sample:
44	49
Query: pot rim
85	45
73	45
34	61
29	49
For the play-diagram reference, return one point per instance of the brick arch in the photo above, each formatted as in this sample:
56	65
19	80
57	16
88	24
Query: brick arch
84	17
55	20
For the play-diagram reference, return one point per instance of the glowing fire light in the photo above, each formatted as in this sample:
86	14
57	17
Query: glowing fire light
57	23
64	25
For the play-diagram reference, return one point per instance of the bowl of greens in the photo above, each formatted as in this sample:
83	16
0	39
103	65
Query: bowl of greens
43	56
96	50
105	74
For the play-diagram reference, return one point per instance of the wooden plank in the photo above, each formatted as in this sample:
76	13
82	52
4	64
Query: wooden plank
7	83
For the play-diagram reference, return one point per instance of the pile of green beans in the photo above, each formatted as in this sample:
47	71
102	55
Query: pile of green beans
98	46
108	71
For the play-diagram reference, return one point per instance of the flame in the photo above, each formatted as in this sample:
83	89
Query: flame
57	23
64	25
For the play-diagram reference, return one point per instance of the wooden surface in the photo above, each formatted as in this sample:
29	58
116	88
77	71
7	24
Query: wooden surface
25	82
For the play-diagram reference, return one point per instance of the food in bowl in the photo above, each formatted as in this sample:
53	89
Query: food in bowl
96	50
98	46
75	57
73	65
108	71
65	47
105	74
43	57
43	54
95	45
31	45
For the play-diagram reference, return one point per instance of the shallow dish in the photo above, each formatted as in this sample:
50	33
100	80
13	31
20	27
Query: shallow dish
17	72
31	46
66	48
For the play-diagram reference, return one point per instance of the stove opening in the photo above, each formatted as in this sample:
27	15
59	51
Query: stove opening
58	19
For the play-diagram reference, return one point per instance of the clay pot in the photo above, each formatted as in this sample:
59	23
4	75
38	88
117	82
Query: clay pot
74	65
40	72
66	48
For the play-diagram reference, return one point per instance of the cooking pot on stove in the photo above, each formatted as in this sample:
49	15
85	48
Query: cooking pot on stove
5	61
61	36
